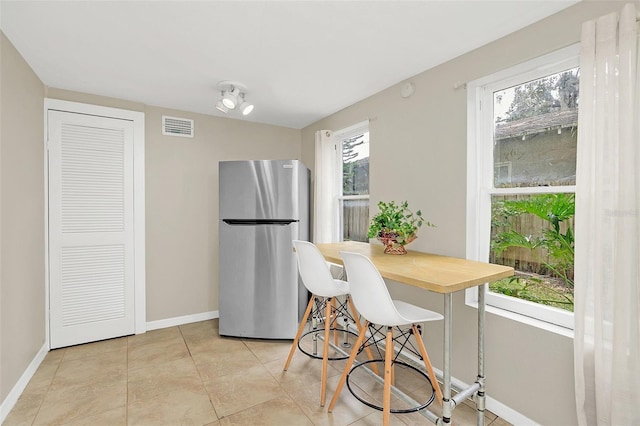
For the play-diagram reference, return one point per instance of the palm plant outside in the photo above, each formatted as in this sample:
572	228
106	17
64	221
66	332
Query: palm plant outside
555	242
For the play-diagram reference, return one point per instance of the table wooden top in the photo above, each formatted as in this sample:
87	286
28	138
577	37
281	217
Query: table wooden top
441	274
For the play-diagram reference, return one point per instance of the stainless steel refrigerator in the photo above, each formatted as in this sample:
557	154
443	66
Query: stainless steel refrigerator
264	205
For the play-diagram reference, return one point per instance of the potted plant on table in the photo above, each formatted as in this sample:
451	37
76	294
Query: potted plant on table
396	226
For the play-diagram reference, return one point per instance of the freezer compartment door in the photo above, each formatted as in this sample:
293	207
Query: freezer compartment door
261	189
260	292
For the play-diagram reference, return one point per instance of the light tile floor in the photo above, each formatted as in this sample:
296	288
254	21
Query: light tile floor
189	375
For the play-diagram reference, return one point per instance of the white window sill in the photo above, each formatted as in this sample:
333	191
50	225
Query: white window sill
543	325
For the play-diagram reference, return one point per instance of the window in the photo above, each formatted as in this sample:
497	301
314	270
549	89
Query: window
352	177
522	137
502	173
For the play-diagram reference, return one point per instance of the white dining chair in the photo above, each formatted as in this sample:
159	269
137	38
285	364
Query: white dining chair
372	300
325	290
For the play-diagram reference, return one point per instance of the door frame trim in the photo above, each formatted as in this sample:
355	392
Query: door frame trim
138	119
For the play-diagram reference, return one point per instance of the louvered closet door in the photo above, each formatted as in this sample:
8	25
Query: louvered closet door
90	228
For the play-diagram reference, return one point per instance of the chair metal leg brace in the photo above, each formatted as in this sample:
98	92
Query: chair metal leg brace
354	312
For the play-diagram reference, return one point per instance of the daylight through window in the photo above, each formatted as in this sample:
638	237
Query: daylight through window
353	197
523	143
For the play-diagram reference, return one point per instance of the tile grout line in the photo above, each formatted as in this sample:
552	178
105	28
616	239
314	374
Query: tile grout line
283	389
58	364
199	374
298	405
48	387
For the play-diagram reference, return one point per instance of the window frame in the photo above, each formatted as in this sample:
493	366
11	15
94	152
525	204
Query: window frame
338	137
480	183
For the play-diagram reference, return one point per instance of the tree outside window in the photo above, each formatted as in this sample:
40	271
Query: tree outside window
354	200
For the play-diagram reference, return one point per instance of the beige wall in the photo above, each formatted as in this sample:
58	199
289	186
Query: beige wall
182	199
418	153
22	291
182	204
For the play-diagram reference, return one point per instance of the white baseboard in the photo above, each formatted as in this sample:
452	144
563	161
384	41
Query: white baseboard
508	413
186	319
11	399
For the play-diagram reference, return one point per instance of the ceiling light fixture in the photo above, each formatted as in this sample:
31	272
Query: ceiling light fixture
232	95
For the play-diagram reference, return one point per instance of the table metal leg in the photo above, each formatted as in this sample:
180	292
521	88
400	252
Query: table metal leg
446	371
480	395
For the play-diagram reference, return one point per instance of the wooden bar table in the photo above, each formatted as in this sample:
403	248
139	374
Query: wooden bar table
440	274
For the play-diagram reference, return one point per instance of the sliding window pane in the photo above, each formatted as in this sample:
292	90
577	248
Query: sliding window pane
355	165
355	220
535	132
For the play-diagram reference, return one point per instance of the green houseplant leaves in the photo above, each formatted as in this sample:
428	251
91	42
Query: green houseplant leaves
396	221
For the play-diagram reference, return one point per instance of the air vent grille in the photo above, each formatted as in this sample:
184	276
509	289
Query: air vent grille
174	126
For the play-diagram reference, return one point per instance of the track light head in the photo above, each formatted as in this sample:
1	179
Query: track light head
230	97
220	107
245	107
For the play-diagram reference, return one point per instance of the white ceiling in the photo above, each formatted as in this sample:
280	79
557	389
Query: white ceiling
300	60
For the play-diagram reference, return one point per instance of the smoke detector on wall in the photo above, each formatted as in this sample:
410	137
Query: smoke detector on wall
407	89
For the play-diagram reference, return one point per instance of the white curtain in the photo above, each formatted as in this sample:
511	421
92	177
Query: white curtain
607	257
324	228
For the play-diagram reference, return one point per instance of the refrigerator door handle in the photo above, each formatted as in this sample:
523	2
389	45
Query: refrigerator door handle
253	222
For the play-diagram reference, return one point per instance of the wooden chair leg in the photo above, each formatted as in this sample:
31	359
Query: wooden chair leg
303	323
354	312
386	396
393	371
427	364
334	321
325	354
347	367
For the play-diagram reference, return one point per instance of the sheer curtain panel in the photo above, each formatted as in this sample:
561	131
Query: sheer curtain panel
607	257
324	221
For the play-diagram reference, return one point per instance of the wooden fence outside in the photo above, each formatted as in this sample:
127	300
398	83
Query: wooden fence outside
523	259
355	220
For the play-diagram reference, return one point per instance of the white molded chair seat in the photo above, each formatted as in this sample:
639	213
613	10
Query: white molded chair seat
414	314
340	288
371	298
